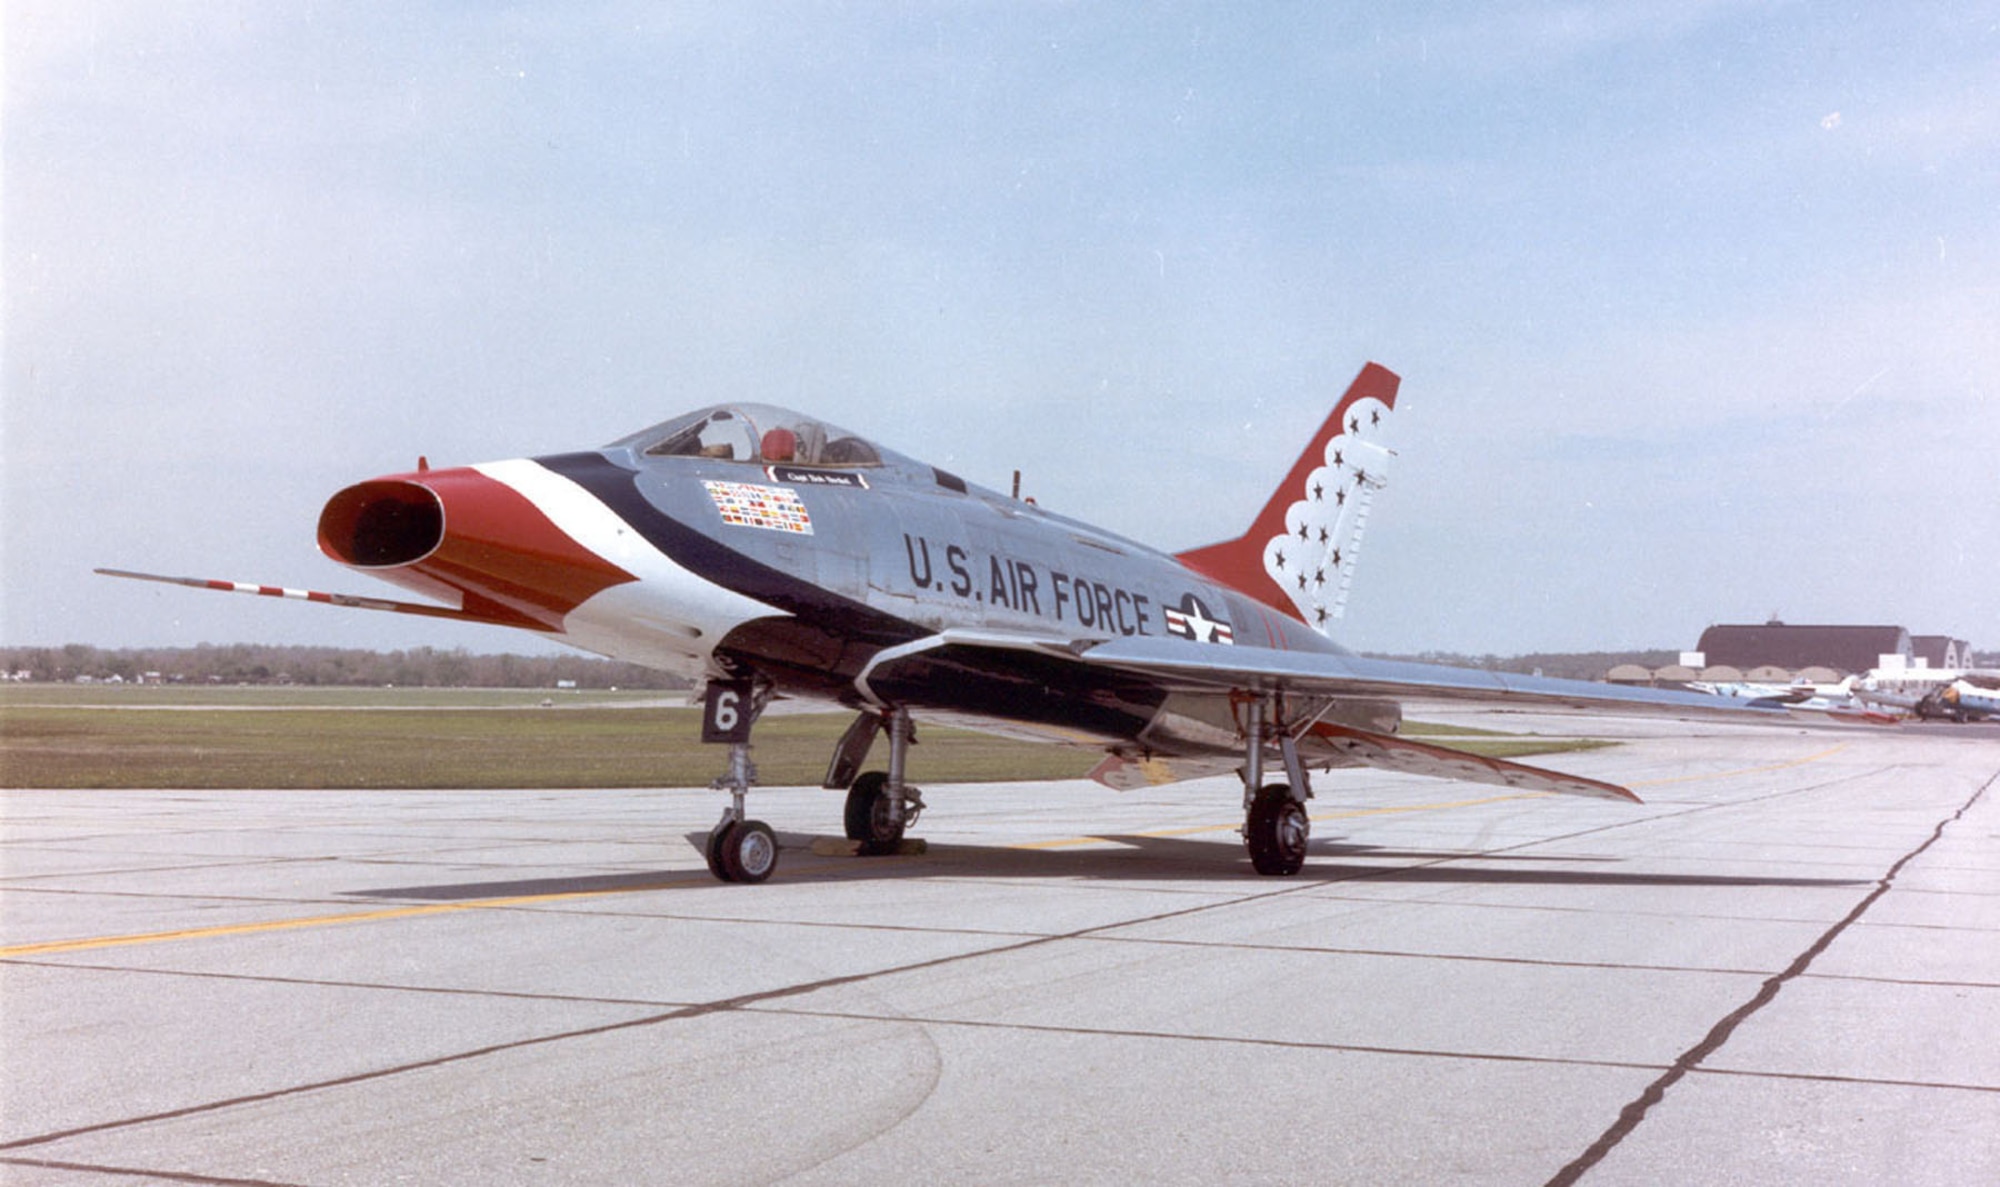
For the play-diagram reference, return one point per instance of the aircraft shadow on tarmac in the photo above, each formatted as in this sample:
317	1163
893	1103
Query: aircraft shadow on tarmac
1139	858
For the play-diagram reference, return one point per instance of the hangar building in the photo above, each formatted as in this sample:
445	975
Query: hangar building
1782	645
1941	651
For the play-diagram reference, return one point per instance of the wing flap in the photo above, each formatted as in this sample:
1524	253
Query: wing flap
1421	758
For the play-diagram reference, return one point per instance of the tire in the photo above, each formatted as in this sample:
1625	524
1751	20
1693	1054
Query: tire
1277	832
867	816
713	851
749	852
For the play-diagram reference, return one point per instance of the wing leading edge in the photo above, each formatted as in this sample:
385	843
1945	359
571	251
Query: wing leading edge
1182	665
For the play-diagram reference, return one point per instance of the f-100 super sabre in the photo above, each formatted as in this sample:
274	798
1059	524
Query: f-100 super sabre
764	553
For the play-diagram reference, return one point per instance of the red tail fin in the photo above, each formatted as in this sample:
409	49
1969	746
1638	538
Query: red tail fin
1298	555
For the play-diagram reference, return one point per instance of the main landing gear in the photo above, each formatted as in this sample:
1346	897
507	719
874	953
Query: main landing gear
1276	828
880	804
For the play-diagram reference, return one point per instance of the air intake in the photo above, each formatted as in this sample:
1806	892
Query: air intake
382	524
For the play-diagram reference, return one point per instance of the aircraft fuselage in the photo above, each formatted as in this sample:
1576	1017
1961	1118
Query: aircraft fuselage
802	573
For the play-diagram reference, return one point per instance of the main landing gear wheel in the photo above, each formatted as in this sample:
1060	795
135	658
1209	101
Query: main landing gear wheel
742	851
1276	832
870	818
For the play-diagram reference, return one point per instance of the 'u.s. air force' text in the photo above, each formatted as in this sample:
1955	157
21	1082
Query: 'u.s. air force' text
1019	586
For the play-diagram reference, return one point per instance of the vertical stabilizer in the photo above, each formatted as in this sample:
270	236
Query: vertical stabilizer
1299	553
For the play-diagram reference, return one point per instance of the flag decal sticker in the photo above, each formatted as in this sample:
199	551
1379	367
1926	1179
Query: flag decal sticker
747	505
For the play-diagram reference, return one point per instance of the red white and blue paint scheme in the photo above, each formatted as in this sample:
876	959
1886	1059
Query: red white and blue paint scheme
766	553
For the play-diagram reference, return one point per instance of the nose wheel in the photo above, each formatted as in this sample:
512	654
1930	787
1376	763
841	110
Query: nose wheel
742	851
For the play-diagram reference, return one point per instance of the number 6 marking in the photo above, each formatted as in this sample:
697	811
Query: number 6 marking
725	713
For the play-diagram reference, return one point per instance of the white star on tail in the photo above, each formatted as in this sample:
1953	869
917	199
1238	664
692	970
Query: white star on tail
1323	526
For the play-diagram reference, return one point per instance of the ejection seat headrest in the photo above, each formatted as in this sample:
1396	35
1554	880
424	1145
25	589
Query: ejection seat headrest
779	445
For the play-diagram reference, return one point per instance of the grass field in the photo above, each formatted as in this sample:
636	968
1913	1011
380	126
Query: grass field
295	696
62	736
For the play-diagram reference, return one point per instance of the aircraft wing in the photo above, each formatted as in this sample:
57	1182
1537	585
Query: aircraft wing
1200	670
1182	665
1178	665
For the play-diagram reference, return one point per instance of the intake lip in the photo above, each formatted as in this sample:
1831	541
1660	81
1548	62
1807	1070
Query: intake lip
385	523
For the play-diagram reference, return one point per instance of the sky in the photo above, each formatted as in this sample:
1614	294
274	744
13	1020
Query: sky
1696	304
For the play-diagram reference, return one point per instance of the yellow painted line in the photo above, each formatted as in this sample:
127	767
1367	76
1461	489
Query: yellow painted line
1782	766
1488	799
1196	829
53	947
244	929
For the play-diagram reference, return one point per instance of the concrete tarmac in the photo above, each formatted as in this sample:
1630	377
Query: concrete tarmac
1784	967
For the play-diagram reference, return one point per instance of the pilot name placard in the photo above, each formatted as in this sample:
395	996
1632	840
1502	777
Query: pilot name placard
806	476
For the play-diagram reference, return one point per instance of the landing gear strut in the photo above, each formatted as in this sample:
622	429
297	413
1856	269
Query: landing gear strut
739	849
881	804
1276	829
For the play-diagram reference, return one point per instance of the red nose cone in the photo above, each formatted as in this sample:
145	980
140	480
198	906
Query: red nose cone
461	536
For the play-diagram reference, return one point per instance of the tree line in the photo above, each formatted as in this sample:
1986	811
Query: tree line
431	667
253	663
1570	665
1588	665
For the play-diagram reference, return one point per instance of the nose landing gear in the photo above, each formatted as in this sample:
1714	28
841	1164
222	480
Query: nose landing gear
739	849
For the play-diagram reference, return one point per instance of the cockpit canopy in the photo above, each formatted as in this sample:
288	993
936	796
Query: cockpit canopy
756	433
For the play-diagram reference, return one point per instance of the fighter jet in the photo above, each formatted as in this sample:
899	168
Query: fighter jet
765	553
